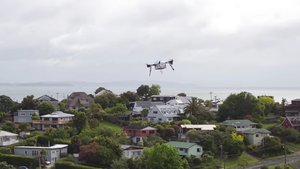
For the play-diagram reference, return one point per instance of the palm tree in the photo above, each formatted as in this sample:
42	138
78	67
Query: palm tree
194	107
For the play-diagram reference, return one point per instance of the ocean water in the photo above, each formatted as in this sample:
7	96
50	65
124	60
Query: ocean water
18	92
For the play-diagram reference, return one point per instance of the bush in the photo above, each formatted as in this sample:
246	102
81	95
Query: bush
15	160
70	165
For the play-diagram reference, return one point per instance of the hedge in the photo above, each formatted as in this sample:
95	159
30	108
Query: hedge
16	160
70	165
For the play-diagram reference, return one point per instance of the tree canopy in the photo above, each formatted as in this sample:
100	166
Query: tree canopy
163	156
6	104
28	103
45	108
239	106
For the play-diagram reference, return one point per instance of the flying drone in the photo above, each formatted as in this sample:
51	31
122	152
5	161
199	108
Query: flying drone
160	65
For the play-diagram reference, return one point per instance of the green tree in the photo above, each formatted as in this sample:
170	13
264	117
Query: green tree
62	105
106	100
143	91
9	126
80	121
118	108
28	103
120	164
101	152
99	89
163	156
268	103
128	97
6	104
181	94
95	111
2	116
45	108
154	90
4	165
238	106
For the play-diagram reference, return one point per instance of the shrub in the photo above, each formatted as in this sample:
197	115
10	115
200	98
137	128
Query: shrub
19	160
70	165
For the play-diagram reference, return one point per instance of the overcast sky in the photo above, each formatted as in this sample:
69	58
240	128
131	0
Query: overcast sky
213	43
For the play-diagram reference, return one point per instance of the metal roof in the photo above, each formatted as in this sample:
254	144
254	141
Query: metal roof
179	144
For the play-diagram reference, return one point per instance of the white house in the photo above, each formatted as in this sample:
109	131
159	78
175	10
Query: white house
256	136
130	151
138	106
53	153
7	138
187	149
164	113
239	125
57	119
24	116
184	128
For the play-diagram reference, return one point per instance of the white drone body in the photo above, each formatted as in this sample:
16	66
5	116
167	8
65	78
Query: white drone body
160	65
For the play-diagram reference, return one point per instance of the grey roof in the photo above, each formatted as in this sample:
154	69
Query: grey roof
179	144
56	146
237	122
163	96
131	147
255	130
58	114
6	133
144	104
46	98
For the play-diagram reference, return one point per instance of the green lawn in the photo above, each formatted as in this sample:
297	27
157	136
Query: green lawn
112	126
294	146
268	125
281	165
243	160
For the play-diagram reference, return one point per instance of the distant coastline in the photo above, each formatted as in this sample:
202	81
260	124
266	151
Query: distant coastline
60	90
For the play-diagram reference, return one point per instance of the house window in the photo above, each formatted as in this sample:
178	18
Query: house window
181	149
154	112
257	135
144	132
243	127
159	119
198	150
185	150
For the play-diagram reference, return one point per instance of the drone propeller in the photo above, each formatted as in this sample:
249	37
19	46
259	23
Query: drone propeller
150	71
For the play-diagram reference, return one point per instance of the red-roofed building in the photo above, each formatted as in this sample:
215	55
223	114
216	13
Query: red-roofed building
292	122
137	133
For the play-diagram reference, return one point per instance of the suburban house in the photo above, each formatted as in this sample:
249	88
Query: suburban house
138	106
53	153
293	109
239	125
57	119
162	98
187	149
164	113
24	116
137	133
48	99
8	138
184	128
292	122
131	151
79	100
255	136
292	113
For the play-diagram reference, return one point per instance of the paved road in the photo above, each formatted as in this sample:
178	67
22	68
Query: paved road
276	161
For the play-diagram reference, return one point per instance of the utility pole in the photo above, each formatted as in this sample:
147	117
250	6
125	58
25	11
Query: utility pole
284	146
